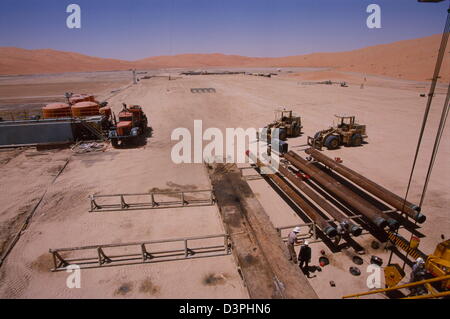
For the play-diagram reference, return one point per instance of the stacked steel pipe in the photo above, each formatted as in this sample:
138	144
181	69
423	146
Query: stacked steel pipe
355	230
387	196
374	214
290	178
323	224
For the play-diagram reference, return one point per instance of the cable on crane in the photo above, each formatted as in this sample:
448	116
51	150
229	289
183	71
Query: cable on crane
437	70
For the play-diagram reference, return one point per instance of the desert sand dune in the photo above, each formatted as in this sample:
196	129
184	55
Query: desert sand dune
408	59
22	61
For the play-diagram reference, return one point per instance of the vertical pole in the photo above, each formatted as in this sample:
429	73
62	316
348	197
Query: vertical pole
122	202
153	200
99	256
54	260
143	253
185	248
392	249
225	242
134	76
92	203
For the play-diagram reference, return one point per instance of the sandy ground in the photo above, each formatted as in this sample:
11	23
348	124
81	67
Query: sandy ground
24	96
392	112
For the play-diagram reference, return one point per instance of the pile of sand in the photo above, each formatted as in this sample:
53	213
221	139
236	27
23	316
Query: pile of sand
408	59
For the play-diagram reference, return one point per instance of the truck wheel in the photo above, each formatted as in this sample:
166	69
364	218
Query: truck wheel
332	142
133	140
357	140
115	142
282	134
297	131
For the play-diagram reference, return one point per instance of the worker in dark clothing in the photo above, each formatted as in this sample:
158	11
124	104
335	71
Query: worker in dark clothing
304	257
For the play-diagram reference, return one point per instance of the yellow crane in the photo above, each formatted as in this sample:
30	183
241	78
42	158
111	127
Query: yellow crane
436	264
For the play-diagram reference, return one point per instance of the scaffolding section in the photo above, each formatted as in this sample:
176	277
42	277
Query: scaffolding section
97	256
151	200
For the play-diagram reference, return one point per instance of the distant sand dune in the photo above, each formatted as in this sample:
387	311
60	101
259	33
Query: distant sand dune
408	59
21	61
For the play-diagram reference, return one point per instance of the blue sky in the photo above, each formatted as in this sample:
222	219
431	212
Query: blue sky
137	29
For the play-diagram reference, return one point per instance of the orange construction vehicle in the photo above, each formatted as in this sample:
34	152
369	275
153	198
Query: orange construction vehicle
132	125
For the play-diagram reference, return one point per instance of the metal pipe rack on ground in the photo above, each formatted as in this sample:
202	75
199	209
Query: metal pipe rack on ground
153	203
102	259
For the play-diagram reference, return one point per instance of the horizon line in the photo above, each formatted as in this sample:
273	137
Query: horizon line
215	53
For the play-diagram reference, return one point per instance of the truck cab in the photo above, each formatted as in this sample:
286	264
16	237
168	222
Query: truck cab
131	125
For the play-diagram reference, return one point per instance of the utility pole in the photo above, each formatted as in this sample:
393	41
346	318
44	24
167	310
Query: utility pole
134	76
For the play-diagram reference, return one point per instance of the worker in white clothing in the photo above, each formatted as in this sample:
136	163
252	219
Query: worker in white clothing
292	240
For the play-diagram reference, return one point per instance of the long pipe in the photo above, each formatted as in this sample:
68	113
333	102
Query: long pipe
328	229
330	184
396	201
354	229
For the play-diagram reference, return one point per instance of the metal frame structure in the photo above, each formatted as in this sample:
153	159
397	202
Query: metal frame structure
103	259
123	205
94	130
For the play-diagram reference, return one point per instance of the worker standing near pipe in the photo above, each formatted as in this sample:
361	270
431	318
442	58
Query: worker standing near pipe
304	256
292	240
396	201
342	230
371	212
